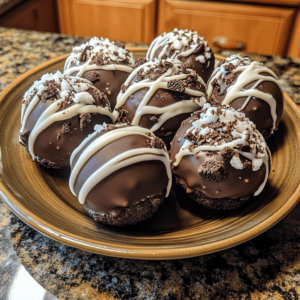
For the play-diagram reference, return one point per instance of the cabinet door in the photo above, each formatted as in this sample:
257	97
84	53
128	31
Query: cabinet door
262	29
273	2
37	15
125	20
294	46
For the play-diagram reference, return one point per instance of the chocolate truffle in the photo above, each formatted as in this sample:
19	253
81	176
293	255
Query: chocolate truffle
106	64
187	46
249	87
58	113
159	95
219	158
121	174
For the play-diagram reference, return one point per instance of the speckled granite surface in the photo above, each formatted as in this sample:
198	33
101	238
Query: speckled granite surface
268	267
8	259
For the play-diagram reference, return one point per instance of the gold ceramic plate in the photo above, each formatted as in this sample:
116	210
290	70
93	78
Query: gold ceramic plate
180	228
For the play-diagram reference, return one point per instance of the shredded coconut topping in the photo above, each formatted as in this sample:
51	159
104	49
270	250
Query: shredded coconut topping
99	127
99	54
215	128
70	96
236	162
231	134
84	97
180	43
58	86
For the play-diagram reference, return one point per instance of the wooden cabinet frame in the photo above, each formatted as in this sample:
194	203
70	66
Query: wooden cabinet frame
294	46
275	21
132	20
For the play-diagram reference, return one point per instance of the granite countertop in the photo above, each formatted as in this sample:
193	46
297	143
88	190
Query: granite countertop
267	267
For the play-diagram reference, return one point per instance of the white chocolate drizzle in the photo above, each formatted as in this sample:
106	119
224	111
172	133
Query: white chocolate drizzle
179	39
243	133
185	106
113	57
70	89
122	160
251	71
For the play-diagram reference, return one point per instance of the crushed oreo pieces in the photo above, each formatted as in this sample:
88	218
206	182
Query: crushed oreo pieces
212	170
176	85
85	120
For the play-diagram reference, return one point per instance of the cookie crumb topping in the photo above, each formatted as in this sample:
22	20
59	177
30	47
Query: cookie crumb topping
180	43
227	132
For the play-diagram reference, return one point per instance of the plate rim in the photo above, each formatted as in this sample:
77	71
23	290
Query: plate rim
135	252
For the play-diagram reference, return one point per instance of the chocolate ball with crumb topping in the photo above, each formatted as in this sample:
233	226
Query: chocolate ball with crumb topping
106	64
121	174
188	47
249	87
159	95
58	113
219	158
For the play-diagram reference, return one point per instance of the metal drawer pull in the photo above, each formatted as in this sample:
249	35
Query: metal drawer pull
225	43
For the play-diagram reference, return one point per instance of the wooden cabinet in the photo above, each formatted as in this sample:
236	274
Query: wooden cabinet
272	2
37	15
263	29
7	5
254	26
294	46
125	20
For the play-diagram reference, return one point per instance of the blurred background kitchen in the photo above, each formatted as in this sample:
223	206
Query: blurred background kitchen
256	26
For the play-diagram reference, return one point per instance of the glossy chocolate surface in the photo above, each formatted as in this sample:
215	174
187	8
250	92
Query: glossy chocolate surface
203	70
126	186
109	83
161	98
238	183
59	150
257	110
56	146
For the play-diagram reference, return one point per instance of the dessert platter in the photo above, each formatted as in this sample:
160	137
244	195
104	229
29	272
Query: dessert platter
159	153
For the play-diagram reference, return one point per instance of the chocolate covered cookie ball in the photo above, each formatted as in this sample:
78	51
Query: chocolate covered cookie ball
58	113
159	95
219	158
249	87
187	46
121	174
106	64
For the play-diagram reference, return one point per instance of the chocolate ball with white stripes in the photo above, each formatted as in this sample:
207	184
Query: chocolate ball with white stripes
188	47
219	158
105	63
58	113
159	95
249	87
121	174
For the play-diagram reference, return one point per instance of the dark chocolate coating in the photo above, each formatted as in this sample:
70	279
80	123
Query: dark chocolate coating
231	187
257	110
55	152
59	151
109	83
203	70
127	186
161	98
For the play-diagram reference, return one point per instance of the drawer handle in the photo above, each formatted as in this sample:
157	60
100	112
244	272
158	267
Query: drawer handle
225	43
